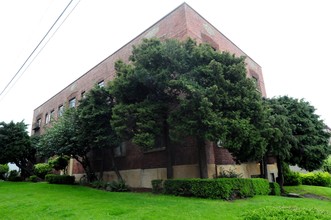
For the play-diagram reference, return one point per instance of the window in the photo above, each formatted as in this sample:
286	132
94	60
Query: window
83	95
72	103
47	118
101	83
39	122
60	111
120	150
52	115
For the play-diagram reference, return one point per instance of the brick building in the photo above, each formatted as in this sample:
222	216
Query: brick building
138	167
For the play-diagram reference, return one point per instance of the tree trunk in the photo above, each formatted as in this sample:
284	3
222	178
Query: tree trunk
85	162
264	164
114	166
170	173
280	178
203	170
102	164
25	171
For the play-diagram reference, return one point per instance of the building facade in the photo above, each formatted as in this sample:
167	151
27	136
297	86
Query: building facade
137	167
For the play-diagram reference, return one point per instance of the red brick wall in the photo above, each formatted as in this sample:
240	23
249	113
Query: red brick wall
181	23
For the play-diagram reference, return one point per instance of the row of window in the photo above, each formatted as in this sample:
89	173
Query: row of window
72	104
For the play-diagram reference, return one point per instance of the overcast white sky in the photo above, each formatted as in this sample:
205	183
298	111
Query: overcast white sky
290	39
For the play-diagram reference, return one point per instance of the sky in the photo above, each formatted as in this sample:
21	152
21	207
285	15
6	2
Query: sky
289	39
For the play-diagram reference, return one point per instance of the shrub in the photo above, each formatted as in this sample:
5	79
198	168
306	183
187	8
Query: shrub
14	176
261	186
157	186
60	179
230	173
293	213
316	179
326	167
41	169
4	168
33	178
274	189
117	186
99	184
59	163
292	178
224	188
178	187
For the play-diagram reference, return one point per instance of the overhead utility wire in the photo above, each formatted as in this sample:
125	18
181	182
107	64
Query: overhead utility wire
35	48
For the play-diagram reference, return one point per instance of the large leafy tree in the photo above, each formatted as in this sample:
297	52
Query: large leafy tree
296	134
16	147
83	129
95	114
179	89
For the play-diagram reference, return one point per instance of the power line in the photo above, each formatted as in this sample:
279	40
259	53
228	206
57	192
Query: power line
34	50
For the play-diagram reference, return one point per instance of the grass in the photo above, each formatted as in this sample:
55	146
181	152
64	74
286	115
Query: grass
310	190
46	201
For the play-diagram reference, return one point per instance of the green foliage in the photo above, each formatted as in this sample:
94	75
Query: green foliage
230	173
41	169
33	178
157	186
99	184
224	188
282	213
4	168
117	186
174	89
274	189
327	165
59	162
60	179
316	179
82	129
14	176
292	178
16	147
260	186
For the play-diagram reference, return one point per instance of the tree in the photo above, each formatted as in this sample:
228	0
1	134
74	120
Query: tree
296	136
83	129
15	146
95	115
177	89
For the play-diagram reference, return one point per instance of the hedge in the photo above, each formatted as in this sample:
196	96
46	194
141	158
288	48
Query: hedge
274	189
223	188
316	179
60	179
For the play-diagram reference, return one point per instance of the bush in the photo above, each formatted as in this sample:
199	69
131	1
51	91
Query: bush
316	179
60	179
157	186
261	186
274	189
272	213
41	169
99	184
33	178
224	188
117	186
326	167
231	173
59	163
14	176
292	178
4	168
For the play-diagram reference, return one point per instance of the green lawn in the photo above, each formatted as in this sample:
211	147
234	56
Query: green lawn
46	201
316	190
